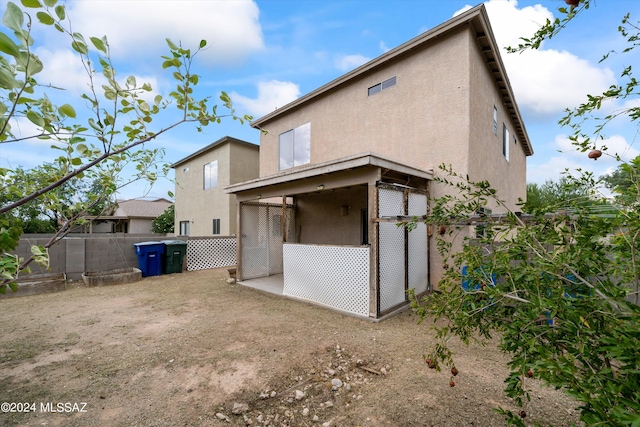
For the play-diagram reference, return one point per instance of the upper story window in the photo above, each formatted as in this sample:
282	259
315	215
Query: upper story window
495	120
185	170
505	141
382	86
211	175
216	226
295	147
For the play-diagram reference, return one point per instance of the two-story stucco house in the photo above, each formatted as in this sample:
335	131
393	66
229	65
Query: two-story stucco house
202	208
351	156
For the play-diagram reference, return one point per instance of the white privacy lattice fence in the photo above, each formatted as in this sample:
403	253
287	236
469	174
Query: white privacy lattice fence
391	250
262	236
402	256
205	253
418	274
335	276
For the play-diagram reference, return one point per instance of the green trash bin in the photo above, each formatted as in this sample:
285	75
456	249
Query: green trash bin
173	258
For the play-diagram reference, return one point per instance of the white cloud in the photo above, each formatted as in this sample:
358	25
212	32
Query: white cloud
271	95
570	158
383	47
548	81
545	81
64	70
29	152
139	27
349	62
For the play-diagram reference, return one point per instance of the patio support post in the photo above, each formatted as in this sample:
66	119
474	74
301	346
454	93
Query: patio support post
372	208
239	241
283	220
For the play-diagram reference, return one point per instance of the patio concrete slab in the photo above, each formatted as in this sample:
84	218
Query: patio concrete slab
272	284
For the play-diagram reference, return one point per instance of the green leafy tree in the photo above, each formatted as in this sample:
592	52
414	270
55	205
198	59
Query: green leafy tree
554	195
94	149
623	182
560	290
44	215
164	223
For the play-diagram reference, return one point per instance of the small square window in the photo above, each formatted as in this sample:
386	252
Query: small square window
388	83
185	170
375	89
184	228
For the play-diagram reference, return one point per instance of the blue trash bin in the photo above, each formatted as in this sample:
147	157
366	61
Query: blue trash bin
150	257
468	285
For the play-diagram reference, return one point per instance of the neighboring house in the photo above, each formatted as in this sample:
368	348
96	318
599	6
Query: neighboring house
129	216
351	156
202	208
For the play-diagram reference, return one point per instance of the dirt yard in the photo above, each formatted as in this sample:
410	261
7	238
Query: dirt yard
190	350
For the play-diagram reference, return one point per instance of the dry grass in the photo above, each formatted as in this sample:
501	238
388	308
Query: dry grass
177	349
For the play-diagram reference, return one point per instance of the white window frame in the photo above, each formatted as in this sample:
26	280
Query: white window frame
184	228
210	175
505	141
294	147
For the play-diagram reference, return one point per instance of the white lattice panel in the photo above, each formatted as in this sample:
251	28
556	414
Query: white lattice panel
390	202
391	265
418	249
417	204
261	226
255	252
203	254
331	275
390	250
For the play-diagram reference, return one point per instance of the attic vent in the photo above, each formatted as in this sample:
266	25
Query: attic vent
382	86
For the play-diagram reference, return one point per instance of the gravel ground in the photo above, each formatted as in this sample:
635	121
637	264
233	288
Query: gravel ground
191	350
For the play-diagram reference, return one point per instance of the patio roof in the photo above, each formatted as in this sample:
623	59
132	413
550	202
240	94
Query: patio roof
333	166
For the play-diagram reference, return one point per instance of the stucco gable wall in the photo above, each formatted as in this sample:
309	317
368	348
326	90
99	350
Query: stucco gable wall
195	203
422	121
245	163
486	159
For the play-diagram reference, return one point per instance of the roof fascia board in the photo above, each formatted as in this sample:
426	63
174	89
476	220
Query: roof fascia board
346	163
393	53
488	31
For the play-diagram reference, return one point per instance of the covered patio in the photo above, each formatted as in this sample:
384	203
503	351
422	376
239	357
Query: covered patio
330	231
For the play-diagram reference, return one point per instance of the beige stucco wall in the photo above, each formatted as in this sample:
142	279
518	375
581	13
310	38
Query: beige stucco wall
421	121
486	160
139	226
439	111
236	163
245	162
320	218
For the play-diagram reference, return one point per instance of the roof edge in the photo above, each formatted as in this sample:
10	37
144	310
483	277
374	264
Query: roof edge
224	140
397	51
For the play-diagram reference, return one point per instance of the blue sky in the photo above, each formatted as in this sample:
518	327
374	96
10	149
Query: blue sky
266	53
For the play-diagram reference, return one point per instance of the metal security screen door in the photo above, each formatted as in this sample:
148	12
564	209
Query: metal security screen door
391	249
402	255
262	237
